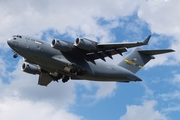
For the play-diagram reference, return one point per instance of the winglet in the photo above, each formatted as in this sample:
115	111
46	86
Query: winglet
145	42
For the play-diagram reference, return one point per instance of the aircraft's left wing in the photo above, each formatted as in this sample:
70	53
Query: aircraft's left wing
107	50
92	50
124	45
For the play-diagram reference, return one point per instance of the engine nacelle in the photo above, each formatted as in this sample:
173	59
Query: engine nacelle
61	45
85	44
29	68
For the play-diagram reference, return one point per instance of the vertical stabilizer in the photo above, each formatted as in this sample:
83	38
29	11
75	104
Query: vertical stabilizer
138	58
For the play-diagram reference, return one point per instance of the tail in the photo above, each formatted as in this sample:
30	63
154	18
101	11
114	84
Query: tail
138	58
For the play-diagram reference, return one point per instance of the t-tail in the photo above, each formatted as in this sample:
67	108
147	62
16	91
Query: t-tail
138	58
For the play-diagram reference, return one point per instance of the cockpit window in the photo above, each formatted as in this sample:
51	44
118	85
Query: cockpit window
18	36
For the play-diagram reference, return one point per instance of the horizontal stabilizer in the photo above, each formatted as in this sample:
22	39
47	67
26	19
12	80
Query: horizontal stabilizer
155	52
138	58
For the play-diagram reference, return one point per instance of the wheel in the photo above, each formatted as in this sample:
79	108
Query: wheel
73	70
15	55
80	73
65	78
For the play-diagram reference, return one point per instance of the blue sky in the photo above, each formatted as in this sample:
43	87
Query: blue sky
157	97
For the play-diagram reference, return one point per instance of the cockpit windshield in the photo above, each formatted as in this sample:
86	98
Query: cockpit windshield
17	36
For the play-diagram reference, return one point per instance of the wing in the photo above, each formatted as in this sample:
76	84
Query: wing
125	45
107	50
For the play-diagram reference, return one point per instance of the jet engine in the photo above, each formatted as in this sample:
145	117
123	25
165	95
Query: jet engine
85	44
61	45
29	68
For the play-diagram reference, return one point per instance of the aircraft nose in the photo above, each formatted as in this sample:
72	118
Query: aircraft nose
10	42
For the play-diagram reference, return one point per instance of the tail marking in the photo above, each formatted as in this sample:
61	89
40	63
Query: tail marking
132	63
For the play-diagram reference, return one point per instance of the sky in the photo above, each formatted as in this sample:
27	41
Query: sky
157	97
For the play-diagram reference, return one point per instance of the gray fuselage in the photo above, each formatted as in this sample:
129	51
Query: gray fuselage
41	53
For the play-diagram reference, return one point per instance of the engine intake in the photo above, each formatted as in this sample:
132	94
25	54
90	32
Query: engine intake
29	68
85	44
61	45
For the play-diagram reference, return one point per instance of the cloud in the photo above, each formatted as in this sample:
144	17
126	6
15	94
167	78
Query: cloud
149	94
175	80
164	59
170	95
76	19
146	111
3	67
33	18
171	108
24	86
160	16
93	19
98	90
21	109
163	20
22	98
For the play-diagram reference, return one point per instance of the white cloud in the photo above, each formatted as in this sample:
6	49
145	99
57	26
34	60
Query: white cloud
21	109
72	17
24	86
106	89
75	18
175	45
22	98
164	59
149	94
24	91
170	95
146	111
103	89
3	67
161	15
175	79
163	18
173	108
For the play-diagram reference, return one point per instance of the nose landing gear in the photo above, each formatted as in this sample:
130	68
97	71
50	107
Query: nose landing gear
15	55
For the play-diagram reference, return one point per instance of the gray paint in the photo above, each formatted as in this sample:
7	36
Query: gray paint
55	64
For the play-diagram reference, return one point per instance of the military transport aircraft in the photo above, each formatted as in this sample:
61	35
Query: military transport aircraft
65	60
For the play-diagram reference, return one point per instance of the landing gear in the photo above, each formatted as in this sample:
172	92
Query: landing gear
65	78
74	70
81	72
77	72
15	55
56	78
